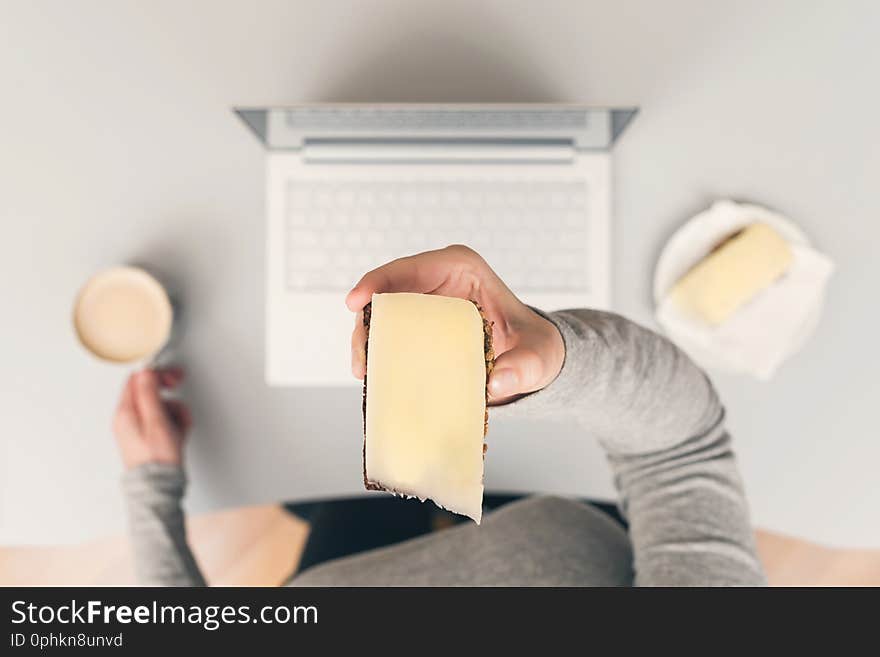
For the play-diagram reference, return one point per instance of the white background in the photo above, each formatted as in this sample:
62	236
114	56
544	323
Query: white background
117	144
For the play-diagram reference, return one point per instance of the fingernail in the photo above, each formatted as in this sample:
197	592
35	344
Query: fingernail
503	382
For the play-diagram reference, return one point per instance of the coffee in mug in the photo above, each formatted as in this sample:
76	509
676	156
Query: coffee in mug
123	315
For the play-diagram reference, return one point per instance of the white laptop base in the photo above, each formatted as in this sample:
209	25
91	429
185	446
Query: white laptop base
540	217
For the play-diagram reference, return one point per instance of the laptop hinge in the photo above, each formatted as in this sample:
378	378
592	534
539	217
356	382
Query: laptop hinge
437	151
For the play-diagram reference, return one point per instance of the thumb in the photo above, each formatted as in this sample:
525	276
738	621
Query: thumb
516	372
147	400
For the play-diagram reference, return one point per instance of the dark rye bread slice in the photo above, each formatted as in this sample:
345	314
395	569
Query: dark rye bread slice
490	363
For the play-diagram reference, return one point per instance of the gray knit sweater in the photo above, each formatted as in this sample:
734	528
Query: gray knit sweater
662	426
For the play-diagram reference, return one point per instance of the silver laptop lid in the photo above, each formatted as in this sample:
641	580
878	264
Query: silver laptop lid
580	127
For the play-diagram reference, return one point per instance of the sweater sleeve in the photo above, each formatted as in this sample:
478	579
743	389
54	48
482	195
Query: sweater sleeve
662	426
153	492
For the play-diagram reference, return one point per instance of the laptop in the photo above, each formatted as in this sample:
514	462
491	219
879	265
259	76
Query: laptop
350	187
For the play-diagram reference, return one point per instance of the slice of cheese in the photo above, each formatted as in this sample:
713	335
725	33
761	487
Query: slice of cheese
425	400
733	274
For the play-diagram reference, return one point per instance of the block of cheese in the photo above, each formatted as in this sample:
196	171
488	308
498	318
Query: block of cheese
731	275
425	418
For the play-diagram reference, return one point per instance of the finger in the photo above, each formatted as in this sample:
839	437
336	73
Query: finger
126	417
147	399
170	377
359	347
424	272
180	414
126	399
516	372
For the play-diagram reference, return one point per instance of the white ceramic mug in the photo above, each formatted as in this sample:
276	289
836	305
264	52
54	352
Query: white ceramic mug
123	315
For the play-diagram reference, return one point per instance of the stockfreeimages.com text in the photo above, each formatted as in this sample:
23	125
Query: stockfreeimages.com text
211	617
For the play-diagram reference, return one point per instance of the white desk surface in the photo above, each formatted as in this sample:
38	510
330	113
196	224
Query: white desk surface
117	144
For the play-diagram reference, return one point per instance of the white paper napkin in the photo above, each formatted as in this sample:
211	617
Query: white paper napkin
763	333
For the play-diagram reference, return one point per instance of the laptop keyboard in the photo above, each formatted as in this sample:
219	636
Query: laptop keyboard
534	234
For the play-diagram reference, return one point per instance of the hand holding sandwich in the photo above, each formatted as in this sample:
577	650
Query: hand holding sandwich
529	350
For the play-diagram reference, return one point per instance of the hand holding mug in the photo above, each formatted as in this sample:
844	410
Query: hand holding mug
149	428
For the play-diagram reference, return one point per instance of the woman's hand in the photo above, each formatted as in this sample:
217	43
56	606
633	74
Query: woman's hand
529	350
148	428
